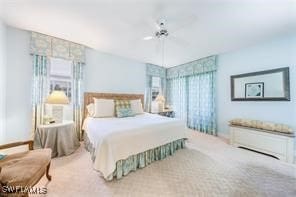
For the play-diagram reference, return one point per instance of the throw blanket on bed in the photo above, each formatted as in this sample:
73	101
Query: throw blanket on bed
116	139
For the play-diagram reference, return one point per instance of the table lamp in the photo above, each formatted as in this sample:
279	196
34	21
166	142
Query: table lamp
57	98
160	100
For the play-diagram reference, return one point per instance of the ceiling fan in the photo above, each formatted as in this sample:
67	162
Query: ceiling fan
161	32
162	35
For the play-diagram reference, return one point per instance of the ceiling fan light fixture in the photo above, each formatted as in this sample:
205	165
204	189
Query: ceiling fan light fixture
162	33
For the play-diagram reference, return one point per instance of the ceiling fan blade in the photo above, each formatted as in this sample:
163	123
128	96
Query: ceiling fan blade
185	23
157	26
149	38
179	41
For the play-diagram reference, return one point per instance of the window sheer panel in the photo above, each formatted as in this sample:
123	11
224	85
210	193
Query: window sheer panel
60	67
61	76
177	96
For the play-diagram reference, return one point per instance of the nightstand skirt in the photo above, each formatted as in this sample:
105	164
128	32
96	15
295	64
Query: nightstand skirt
61	140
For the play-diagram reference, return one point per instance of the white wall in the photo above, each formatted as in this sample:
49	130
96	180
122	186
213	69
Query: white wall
18	85
109	73
2	80
278	53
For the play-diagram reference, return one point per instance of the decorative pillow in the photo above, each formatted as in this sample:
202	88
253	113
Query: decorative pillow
286	129
270	126
124	112
121	104
259	124
136	106
236	121
2	156
91	109
103	108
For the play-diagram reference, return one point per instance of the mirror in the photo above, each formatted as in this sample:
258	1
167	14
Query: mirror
269	85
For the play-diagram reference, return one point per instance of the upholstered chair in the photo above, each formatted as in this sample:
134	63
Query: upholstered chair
23	169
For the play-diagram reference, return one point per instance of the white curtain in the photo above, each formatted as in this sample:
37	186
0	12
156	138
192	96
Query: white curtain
177	96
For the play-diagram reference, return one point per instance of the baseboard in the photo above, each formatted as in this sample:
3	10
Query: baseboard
224	135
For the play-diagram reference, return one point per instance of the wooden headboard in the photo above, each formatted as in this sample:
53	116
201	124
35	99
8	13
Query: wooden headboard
88	98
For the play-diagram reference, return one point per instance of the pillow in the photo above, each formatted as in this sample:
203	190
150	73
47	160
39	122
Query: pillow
121	104
91	109
236	121
136	106
103	108
124	112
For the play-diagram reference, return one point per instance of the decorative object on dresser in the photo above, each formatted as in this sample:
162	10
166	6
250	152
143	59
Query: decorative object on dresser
59	137
57	99
268	85
265	137
23	169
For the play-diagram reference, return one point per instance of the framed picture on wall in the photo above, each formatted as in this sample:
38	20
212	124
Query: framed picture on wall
254	90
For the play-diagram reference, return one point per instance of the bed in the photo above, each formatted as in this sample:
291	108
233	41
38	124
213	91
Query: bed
121	145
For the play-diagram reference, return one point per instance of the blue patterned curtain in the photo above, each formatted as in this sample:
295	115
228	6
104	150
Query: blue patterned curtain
77	96
40	88
191	92
54	47
201	112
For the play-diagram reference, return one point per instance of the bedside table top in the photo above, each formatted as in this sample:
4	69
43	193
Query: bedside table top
167	110
64	123
164	111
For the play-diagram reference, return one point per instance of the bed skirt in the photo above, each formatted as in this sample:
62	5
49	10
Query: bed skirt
140	160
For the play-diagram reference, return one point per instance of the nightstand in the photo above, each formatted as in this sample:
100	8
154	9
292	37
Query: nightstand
167	113
59	137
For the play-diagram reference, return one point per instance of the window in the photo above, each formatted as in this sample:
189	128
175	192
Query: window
61	76
156	87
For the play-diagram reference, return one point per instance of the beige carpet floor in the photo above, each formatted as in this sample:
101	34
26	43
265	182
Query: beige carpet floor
207	167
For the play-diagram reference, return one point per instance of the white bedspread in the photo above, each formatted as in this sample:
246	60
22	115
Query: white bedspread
119	138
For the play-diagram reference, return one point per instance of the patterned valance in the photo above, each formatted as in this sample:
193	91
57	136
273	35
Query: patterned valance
156	71
198	66
53	47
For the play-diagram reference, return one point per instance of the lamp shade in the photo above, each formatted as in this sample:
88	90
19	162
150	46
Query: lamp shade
160	98
57	97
